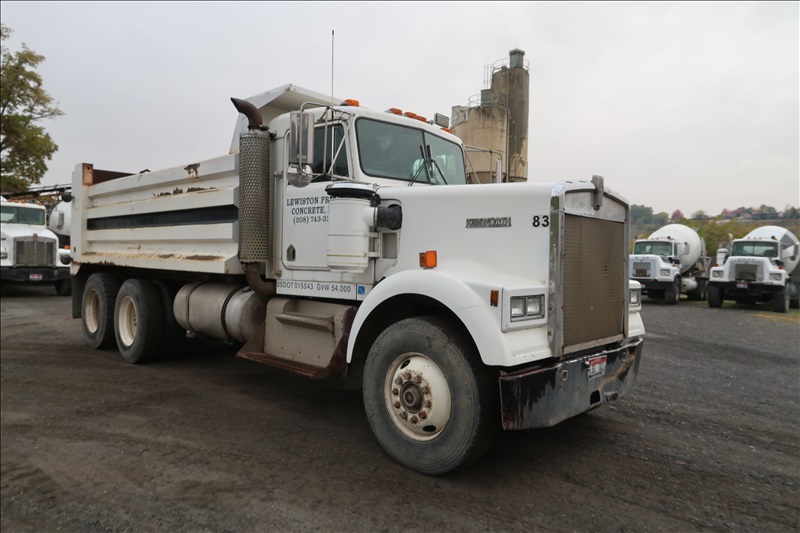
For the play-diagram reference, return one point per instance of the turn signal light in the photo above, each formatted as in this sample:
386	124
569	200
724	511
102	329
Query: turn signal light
427	259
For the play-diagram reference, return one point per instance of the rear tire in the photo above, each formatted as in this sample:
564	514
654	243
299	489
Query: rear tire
715	296
97	310
431	403
138	321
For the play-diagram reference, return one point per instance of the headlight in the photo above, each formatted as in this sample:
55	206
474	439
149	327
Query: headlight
776	276
3	254
716	274
635	297
527	307
664	272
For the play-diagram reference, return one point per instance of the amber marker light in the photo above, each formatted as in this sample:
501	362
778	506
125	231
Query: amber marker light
493	298
395	111
427	259
352	103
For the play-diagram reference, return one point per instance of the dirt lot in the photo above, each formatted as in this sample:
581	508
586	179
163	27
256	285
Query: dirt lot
708	441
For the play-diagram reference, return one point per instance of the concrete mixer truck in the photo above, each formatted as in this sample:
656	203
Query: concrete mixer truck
670	262
760	267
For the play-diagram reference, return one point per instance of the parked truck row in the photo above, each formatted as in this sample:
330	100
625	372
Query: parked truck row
761	267
349	244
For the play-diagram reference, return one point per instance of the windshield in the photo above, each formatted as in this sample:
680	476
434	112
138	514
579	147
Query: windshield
409	154
663	249
754	249
14	214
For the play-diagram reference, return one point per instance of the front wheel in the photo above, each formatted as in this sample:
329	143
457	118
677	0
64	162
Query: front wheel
780	301
431	403
715	296
673	294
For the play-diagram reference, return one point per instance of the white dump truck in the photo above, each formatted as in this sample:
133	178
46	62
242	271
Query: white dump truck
760	267
348	244
670	262
29	252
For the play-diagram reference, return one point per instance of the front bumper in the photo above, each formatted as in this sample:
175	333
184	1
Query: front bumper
746	288
653	285
543	397
34	274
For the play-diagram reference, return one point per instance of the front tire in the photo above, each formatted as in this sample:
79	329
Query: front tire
138	321
431	403
97	310
780	301
715	296
673	294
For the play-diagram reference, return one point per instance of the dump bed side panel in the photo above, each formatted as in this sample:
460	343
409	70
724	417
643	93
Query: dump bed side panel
179	219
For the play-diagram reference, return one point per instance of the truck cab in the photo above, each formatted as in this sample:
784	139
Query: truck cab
29	252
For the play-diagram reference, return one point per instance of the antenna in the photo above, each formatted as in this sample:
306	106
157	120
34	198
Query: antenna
332	42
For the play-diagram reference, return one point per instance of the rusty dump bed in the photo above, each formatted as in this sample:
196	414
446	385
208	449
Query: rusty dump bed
181	219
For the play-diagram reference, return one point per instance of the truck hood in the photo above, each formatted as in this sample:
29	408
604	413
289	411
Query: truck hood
14	231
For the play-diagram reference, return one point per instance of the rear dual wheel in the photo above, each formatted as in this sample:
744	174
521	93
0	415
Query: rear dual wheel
138	321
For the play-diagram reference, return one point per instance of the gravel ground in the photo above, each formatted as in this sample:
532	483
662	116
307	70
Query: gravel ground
709	440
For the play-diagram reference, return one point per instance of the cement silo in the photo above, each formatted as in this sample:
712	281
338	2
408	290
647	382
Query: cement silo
496	121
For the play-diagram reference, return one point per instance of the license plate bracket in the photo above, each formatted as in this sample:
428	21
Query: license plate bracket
597	366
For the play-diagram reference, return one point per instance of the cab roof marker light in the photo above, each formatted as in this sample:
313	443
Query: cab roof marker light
352	103
395	110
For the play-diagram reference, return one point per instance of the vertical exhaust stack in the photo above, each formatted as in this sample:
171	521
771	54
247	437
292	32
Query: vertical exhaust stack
255	245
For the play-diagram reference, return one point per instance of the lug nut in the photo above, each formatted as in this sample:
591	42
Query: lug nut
423	415
398	381
414	420
403	415
417	379
428	403
395	392
397	405
425	390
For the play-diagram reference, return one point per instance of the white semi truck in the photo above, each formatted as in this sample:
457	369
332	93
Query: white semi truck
670	262
29	252
760	267
348	244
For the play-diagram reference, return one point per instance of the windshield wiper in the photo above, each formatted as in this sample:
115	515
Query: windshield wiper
424	165
435	165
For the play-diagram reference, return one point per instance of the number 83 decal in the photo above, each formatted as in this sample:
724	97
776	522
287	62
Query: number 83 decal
543	221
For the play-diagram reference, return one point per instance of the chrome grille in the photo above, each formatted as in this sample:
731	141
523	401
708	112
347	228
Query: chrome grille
595	282
641	270
39	252
747	272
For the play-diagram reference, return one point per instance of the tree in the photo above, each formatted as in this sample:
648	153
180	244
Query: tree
24	145
641	214
676	215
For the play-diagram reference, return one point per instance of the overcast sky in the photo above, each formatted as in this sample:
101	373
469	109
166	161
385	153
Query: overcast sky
679	105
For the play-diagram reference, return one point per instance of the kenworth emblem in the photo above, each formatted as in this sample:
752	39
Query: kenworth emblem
495	222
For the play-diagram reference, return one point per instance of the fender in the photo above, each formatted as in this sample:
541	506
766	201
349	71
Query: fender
468	300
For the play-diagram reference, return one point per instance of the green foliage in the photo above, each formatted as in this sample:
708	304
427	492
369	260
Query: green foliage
25	147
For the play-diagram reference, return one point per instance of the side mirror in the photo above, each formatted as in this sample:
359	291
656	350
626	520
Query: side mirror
301	137
60	220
